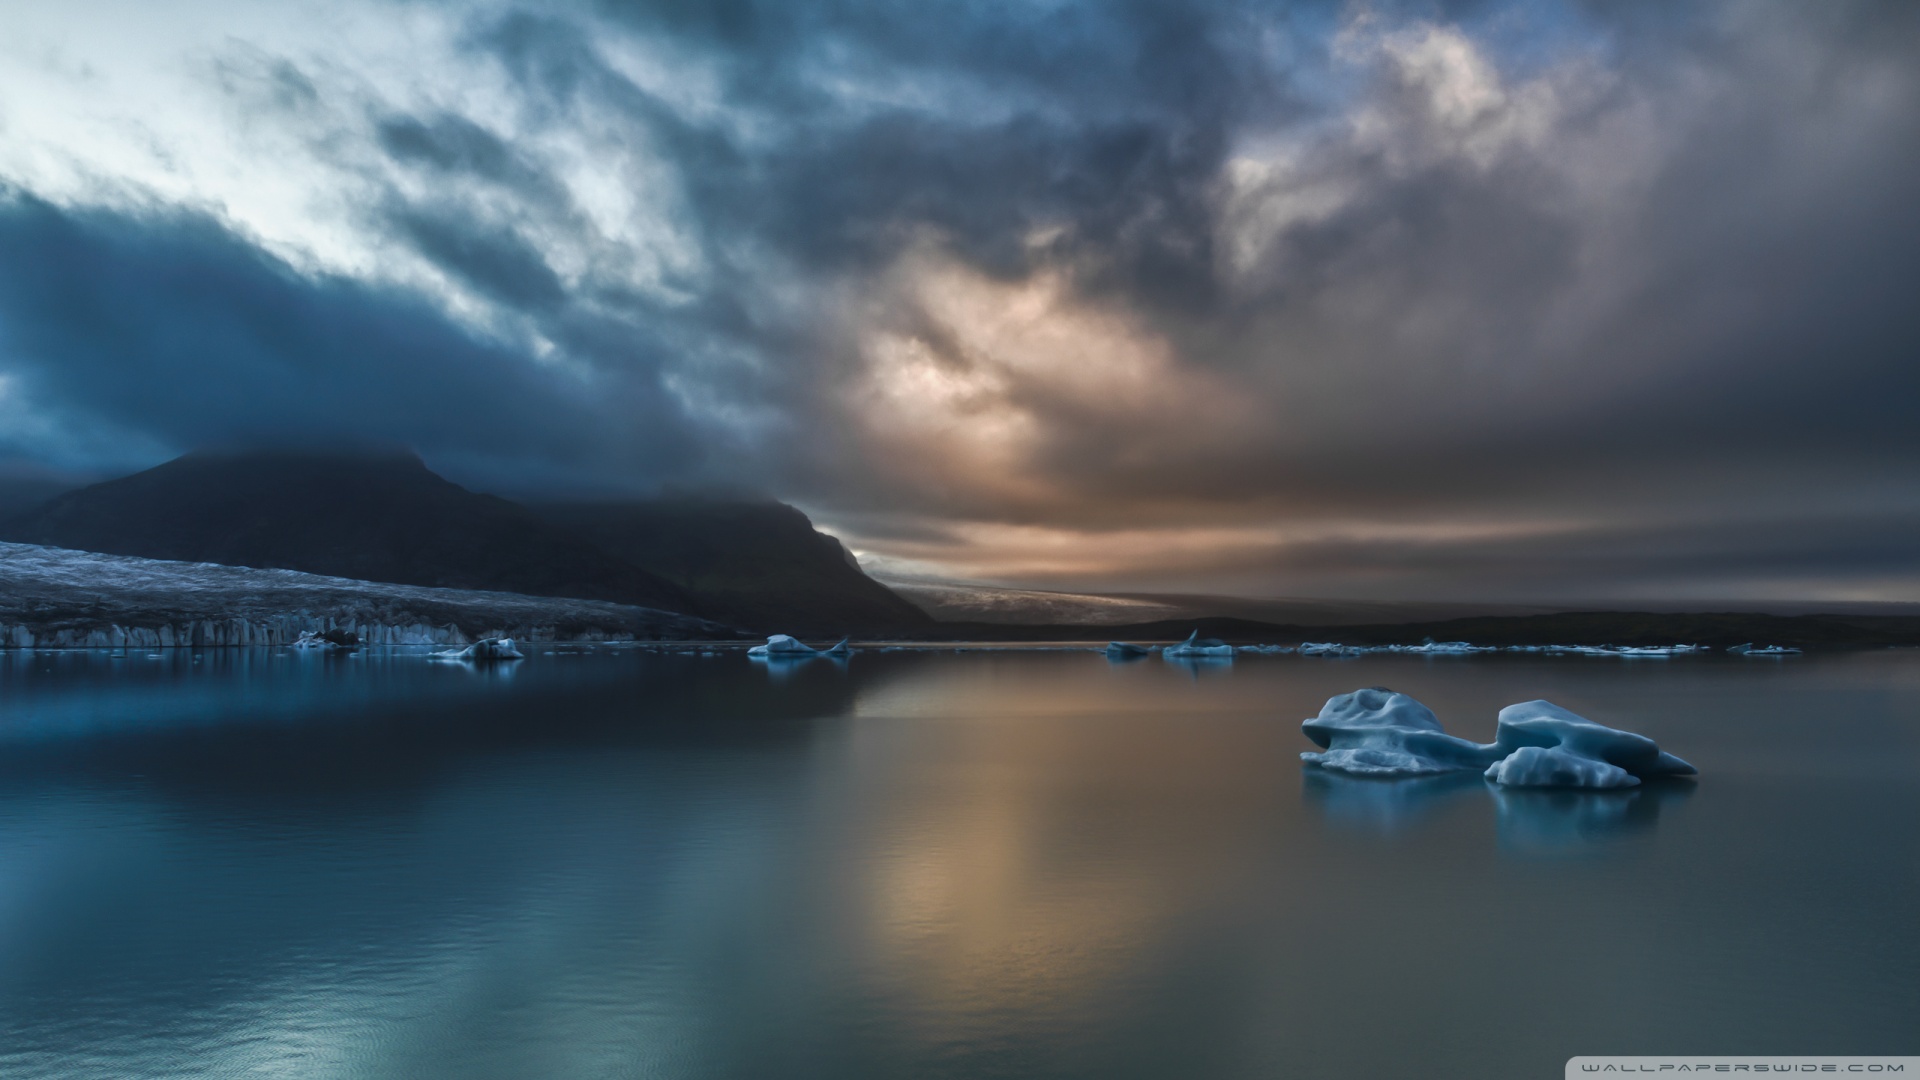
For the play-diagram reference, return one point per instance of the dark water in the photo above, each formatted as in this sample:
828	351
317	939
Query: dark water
619	864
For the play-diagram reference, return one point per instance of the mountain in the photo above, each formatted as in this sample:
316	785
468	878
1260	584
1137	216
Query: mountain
758	565
22	491
372	516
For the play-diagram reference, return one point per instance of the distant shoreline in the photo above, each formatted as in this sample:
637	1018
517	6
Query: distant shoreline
56	597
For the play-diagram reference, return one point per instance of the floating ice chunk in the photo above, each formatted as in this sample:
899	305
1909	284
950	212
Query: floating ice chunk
784	647
492	649
1197	646
1544	725
1126	650
1329	648
1539	766
1378	732
1770	650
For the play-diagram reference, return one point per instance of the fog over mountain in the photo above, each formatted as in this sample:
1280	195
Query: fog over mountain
1496	302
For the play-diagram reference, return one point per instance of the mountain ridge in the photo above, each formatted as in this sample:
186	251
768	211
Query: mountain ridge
368	516
381	515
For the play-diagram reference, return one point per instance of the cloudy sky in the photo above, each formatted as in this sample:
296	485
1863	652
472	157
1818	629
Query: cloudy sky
1490	301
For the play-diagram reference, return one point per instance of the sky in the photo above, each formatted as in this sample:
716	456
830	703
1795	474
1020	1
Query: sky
1397	301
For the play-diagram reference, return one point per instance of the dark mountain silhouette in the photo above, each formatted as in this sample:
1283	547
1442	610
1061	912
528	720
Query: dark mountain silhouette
757	565
370	515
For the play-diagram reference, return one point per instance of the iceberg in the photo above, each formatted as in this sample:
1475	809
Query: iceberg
785	647
1197	646
1548	746
1770	650
1377	732
1126	650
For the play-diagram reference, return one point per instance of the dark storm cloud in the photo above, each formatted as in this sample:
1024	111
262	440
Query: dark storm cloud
497	262
170	327
1478	265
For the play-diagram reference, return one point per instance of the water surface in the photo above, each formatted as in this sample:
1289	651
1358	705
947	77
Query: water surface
617	863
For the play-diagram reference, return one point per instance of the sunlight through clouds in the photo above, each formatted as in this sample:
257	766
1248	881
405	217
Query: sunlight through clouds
939	270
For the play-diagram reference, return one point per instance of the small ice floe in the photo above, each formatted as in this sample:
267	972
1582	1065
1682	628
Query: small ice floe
1447	648
1329	648
491	649
1378	732
1425	648
1196	647
1268	650
325	639
1655	652
784	647
1126	650
1770	650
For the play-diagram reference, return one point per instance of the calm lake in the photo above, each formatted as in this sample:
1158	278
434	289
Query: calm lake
620	863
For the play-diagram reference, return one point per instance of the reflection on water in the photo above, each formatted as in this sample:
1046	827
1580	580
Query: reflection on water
619	862
1194	666
781	668
1386	805
1527	820
1535	820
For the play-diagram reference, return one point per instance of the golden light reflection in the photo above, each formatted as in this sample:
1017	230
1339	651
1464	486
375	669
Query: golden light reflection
1011	874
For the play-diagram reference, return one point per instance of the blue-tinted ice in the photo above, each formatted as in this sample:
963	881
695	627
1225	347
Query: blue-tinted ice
1377	732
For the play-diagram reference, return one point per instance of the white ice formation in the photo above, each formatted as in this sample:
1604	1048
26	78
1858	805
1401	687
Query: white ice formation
492	649
785	647
1197	646
1462	648
1378	732
1770	650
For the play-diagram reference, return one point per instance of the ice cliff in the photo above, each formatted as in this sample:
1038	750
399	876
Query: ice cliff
1377	732
54	597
